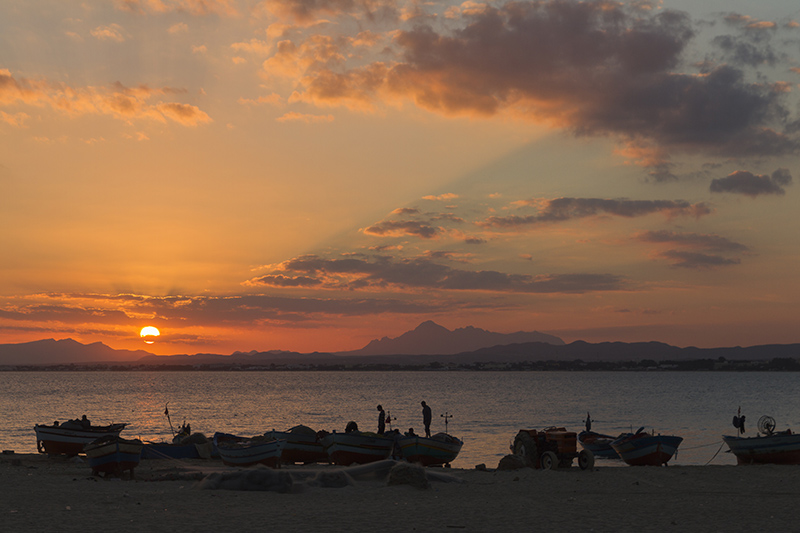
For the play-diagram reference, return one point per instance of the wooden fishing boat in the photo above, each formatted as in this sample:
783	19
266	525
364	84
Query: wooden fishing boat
440	449
768	447
356	447
113	455
599	444
183	446
70	437
247	452
302	445
643	449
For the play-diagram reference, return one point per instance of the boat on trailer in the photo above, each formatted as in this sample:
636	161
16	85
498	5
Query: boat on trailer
440	449
70	437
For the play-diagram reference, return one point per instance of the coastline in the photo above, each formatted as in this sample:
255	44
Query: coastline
59	493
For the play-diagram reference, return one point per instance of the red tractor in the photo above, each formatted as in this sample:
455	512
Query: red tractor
551	448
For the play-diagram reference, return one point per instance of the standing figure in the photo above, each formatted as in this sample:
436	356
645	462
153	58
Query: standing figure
426	418
381	420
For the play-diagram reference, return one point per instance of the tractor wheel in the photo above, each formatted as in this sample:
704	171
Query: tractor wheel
586	460
549	461
525	446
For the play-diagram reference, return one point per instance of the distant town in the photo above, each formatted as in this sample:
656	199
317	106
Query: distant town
644	365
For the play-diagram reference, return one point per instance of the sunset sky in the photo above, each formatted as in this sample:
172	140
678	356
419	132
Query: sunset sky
314	174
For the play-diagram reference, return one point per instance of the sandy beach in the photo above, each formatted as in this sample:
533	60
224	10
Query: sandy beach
41	493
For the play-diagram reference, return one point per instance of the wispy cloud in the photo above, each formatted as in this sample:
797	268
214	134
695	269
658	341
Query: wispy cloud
387	273
115	100
564	209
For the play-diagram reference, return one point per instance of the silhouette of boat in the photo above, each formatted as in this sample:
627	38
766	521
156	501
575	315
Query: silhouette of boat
302	445
356	447
242	451
599	444
768	447
70	437
113	455
440	449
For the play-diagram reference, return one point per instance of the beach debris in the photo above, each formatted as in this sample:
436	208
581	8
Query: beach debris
260	478
512	462
408	474
331	480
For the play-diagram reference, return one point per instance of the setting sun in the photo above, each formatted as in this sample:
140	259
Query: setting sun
149	333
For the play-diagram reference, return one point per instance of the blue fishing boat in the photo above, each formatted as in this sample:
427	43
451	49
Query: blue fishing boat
646	449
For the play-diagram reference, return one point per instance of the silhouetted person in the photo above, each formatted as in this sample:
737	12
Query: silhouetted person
381	420
351	427
410	433
85	423
426	418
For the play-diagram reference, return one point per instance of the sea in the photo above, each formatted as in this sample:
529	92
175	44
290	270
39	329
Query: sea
484	409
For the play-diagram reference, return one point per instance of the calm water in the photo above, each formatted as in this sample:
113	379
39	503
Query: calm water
487	407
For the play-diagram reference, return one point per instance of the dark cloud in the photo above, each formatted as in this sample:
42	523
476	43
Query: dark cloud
743	52
308	11
395	228
693	240
697	260
422	273
564	209
695	250
749	184
595	68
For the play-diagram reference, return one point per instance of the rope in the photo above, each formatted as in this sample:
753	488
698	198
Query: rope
715	455
700	446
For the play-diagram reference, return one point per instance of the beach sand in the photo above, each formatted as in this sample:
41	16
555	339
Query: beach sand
41	493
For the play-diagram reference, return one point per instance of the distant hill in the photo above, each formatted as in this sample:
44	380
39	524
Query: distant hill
64	351
50	352
429	338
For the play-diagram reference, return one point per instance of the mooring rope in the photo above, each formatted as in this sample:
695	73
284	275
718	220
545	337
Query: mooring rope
700	446
715	455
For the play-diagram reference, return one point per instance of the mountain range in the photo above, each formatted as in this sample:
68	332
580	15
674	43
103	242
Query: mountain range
427	343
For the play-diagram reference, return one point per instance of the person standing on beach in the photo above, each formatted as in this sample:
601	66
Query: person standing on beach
426	418
381	420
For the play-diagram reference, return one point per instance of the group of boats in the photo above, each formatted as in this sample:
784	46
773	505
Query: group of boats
108	452
642	448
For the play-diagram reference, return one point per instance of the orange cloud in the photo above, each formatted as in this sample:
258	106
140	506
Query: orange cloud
308	119
115	100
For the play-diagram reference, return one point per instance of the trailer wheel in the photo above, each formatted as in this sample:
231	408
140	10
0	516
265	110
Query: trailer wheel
549	461
586	460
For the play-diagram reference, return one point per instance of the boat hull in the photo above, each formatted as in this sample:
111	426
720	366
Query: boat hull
251	452
598	443
430	451
779	448
300	447
113	455
643	449
356	448
65	440
153	450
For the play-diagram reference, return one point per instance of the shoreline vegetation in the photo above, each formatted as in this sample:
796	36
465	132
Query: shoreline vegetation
42	493
782	364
